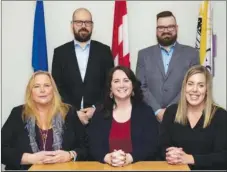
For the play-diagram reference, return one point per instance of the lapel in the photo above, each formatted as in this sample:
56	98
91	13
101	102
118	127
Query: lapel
73	61
135	123
27	141
174	58
67	135
158	56
106	124
90	63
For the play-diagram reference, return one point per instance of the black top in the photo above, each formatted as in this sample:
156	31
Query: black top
144	134
66	73
15	140
207	145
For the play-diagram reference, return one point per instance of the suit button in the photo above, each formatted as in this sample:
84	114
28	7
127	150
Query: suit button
165	90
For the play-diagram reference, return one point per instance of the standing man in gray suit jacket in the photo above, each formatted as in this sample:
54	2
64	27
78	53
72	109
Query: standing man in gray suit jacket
161	68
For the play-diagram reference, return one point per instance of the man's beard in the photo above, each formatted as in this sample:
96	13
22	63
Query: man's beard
82	37
167	41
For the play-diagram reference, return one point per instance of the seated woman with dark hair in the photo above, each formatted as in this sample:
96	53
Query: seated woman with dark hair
194	132
43	130
125	129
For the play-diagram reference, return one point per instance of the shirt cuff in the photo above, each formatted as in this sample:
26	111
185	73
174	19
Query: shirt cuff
157	111
93	106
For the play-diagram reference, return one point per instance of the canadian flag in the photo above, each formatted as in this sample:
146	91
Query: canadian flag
120	43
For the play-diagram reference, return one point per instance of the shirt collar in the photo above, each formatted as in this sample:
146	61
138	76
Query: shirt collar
76	43
171	47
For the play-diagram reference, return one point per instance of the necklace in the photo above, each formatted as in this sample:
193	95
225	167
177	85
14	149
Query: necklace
44	134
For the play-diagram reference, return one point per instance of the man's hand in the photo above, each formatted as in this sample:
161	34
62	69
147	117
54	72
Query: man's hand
88	111
160	115
83	117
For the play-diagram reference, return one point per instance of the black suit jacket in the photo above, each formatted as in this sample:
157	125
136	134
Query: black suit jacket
144	134
15	140
66	73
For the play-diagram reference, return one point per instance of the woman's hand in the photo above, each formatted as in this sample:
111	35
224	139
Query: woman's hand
129	159
118	158
186	158
36	158
59	156
176	155
173	155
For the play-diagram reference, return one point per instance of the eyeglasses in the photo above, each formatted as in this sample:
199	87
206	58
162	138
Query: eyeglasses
80	23
169	28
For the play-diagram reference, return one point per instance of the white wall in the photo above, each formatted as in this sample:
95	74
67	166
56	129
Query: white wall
17	28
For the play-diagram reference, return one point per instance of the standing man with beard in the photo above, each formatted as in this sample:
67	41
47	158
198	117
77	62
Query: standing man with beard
80	67
161	68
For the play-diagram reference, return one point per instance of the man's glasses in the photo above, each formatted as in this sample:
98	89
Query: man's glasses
169	28
80	23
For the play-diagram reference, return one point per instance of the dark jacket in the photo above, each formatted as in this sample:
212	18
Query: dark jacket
144	134
15	140
66	73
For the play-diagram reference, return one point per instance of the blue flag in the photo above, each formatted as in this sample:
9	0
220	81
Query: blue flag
39	47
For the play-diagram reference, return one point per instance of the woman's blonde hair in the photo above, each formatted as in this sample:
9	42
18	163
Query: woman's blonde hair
210	106
57	106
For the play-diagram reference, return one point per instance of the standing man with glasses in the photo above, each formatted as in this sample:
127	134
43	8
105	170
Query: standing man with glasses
161	68
80	67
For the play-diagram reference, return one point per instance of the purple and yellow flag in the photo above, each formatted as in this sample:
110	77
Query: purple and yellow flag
204	38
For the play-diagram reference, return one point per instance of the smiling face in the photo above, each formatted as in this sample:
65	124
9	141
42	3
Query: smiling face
166	31
42	90
121	85
195	90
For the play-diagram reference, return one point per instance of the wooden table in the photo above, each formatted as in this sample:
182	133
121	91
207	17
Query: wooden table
88	165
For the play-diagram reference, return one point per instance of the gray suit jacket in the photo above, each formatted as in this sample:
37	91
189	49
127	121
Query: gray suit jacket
161	90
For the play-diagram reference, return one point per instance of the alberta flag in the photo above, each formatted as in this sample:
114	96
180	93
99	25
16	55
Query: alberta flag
205	40
39	47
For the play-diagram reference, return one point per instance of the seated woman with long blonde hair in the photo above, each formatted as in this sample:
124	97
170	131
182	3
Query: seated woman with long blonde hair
43	130
194	131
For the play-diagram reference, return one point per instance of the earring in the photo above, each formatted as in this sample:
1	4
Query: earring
111	95
133	94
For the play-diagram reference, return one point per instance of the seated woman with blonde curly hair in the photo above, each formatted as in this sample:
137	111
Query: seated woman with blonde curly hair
43	130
